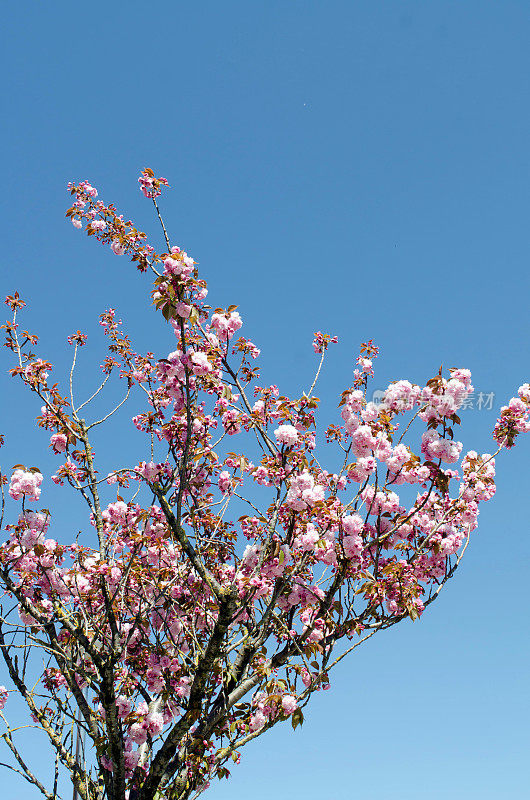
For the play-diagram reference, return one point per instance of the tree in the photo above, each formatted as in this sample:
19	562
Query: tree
161	639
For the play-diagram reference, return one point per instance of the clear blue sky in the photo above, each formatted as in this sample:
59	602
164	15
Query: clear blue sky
356	167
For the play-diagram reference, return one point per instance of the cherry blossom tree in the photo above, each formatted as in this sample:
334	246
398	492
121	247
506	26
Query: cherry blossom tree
223	575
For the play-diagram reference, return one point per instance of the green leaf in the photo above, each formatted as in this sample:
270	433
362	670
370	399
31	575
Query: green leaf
297	718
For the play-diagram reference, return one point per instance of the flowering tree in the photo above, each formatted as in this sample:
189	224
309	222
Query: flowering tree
161	639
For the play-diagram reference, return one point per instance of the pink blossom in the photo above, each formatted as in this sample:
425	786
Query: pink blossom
155	722
226	326
138	732
34	520
364	467
25	483
149	471
322	341
58	442
257	721
286	434
399	456
183	309
231	421
200	363
524	393
106	763
183	687
433	446
380	502
150	185
363	440
124	705
131	758
78	338
117	247
89	190
303	492
289	704
401	396
365	365
225	482
370	412
308	539
352	524
178	264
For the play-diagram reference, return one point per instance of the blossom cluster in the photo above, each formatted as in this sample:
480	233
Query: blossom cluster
150	185
514	418
218	586
25	483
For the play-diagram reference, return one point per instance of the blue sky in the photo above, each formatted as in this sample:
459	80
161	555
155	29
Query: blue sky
356	167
